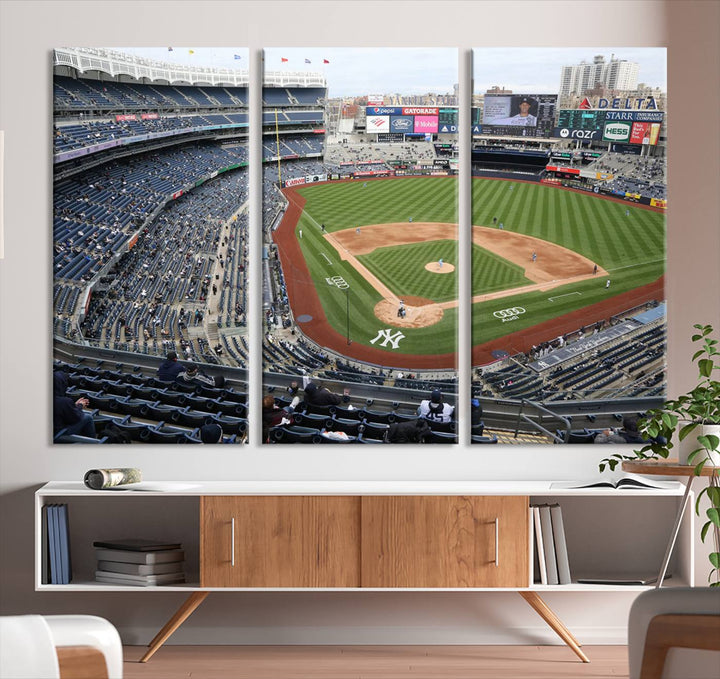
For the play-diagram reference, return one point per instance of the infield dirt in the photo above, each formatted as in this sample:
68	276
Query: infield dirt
547	264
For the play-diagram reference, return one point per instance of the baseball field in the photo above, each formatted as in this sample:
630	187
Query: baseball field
370	265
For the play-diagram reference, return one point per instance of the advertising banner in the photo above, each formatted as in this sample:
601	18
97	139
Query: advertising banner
568	133
617	132
127	116
383	111
377	124
372	173
426	124
401	124
658	202
645	133
420	111
635	116
391	138
375	99
149	116
295	182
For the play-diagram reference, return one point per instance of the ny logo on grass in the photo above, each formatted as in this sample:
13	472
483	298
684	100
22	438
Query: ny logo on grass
386	336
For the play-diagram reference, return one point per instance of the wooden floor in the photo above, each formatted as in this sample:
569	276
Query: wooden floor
375	662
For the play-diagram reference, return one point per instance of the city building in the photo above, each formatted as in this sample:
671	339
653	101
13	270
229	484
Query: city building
617	74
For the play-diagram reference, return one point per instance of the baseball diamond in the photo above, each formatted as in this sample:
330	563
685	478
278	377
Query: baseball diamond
552	258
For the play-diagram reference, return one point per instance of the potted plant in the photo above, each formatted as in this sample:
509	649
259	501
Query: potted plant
698	413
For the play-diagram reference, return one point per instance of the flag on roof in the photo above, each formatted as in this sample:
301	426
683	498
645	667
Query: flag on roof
283	59
307	61
326	61
236	56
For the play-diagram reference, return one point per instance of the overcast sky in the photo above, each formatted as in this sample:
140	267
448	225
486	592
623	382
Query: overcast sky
357	71
351	71
536	70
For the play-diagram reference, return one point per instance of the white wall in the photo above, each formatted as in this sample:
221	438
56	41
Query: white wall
28	32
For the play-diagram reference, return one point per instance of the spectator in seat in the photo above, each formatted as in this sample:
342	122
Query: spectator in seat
170	368
191	376
321	396
273	415
435	409
609	436
69	414
211	433
630	431
628	434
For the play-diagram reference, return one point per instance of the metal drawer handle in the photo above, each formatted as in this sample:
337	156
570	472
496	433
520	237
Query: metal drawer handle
497	542
232	542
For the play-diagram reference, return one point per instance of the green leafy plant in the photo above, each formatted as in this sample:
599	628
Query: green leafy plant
700	406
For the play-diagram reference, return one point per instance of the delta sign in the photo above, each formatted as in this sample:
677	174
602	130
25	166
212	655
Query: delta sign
639	103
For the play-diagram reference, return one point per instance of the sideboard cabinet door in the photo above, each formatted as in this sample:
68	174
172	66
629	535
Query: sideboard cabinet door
445	541
289	541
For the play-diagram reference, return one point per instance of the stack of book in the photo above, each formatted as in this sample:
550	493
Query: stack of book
552	565
138	562
56	564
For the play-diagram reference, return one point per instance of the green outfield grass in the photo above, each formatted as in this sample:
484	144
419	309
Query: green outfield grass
630	247
350	204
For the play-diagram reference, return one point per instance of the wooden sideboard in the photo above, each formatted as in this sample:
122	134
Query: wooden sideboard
360	536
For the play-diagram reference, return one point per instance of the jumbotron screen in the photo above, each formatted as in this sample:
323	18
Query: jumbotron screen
520	115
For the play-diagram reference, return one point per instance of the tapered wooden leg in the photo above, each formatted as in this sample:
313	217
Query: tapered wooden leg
181	615
546	613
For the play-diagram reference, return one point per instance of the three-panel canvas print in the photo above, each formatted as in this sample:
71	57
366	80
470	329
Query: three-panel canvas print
358	245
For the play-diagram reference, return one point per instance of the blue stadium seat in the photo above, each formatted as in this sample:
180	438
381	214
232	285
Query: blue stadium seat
230	425
312	420
373	430
295	434
163	434
350	427
190	418
484	439
377	416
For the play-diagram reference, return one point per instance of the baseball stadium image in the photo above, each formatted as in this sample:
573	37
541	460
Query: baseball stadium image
361	233
358	246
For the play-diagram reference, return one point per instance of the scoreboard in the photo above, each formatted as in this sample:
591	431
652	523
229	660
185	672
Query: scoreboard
578	119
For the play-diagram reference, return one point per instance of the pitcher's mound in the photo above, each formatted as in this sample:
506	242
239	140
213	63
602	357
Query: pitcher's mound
436	268
419	313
